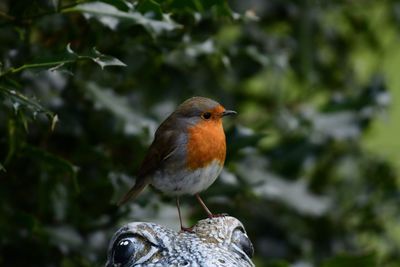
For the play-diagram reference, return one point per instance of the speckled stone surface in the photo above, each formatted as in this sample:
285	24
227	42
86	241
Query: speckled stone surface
220	241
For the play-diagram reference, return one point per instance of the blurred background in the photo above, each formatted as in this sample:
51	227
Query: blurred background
313	156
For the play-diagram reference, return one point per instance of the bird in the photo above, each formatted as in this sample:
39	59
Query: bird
187	154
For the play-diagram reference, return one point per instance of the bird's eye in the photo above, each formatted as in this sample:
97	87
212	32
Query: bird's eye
206	115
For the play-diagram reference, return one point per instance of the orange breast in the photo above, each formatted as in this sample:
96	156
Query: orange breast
206	142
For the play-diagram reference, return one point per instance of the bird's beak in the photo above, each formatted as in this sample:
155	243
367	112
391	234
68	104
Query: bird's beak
228	112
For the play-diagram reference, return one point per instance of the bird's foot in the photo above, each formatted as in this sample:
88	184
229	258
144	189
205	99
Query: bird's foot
210	216
187	230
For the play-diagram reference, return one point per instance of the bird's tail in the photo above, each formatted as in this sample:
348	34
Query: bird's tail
134	191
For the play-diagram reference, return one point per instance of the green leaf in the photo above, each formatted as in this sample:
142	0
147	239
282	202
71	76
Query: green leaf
346	260
111	17
105	60
101	59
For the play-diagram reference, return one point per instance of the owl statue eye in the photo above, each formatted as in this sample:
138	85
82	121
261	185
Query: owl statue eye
206	115
240	242
131	248
124	250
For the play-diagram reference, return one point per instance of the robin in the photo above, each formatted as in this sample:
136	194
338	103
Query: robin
187	154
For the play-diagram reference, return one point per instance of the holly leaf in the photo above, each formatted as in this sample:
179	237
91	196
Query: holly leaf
105	60
110	16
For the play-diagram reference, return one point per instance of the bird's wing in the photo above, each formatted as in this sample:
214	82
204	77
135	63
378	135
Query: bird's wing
163	146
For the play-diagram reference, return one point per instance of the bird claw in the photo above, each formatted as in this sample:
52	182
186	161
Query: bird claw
187	230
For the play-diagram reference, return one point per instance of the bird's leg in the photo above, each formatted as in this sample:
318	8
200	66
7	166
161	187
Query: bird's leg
209	213
183	229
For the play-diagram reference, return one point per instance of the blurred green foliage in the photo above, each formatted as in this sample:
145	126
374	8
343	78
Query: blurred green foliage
312	167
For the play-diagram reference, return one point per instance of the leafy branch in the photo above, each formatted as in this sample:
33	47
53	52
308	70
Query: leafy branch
21	102
101	59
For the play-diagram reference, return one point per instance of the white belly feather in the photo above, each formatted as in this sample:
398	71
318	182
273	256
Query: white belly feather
187	181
